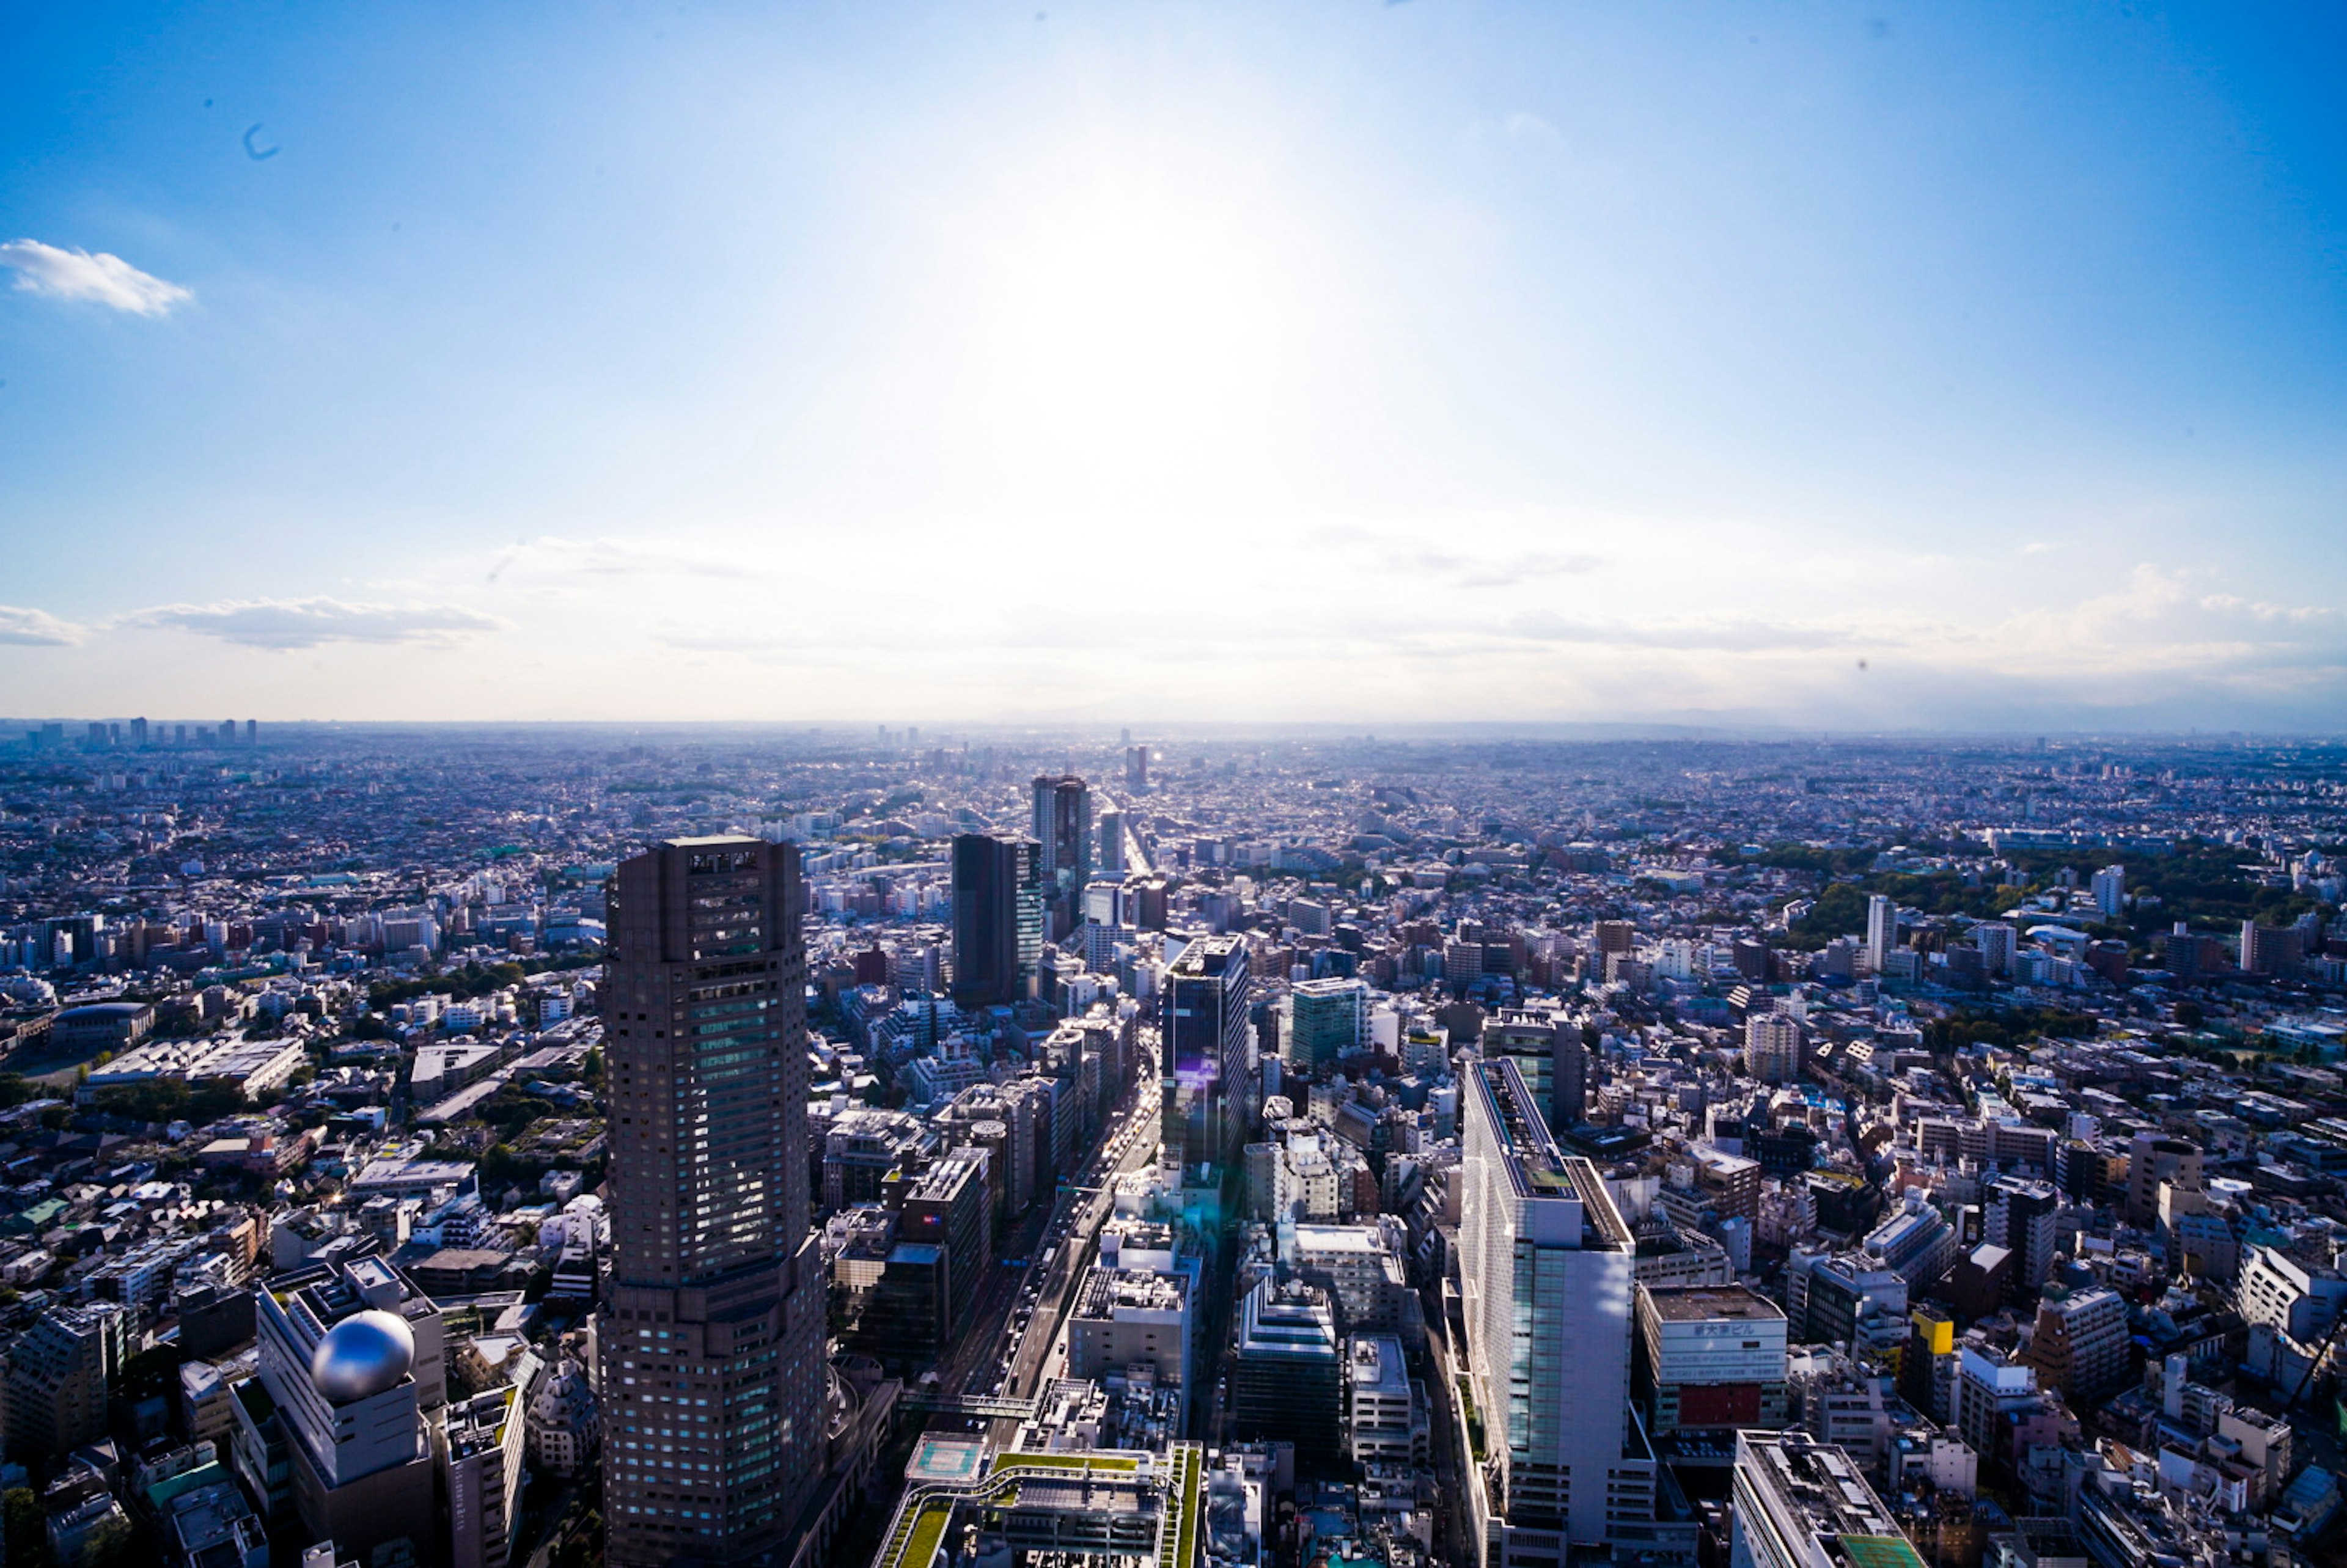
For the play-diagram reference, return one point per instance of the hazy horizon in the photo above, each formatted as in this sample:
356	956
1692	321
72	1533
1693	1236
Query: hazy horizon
1160	734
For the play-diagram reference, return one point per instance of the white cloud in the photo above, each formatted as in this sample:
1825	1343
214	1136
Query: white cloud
1420	558
101	279
549	555
1492	572
1714	636
310	622
1532	129
1515	130
35	628
732	640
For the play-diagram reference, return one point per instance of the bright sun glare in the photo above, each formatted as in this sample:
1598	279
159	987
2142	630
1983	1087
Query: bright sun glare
1130	329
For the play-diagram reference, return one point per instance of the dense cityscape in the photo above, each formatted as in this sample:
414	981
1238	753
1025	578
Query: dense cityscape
479	1146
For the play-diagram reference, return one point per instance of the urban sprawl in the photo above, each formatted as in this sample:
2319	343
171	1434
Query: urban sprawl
472	1147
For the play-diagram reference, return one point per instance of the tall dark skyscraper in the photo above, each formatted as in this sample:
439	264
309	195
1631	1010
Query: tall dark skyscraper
1210	1059
712	1335
998	918
1063	827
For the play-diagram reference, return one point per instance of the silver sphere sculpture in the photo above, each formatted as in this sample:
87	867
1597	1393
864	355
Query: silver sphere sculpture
362	1355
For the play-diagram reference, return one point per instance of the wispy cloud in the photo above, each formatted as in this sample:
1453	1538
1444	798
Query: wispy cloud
2164	621
724	639
101	279
310	622
1518	128
35	628
1499	571
559	558
1711	636
1422	558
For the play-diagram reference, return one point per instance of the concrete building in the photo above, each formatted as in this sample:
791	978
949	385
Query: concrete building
862	1146
1988	1388
1916	1241
716	1286
352	1372
2152	1160
2108	889
1287	1385
1209	1052
1882	930
2280	1292
997	918
1125	1317
482	1471
1708	1357
1545	1266
2080	1344
57	1373
1730	1182
2018	1213
950	1207
1548	1050
1385	1419
1362	1269
563	1428
1772	1048
1325	1019
1801	1503
1844	1298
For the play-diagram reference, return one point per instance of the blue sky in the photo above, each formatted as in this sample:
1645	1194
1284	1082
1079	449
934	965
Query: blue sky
1871	366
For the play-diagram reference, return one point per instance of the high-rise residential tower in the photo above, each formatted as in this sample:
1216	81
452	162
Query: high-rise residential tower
2020	1215
1063	827
998	918
1111	860
1326	1019
1210	1060
1545	1266
2109	888
1772	1047
711	1334
1882	929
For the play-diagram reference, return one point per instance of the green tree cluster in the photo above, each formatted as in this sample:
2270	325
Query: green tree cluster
170	1100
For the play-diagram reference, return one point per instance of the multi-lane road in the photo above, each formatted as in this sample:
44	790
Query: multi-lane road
1012	1332
1083	1206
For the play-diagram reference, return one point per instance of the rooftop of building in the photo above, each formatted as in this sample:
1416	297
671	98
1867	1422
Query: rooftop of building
480	1423
1339	1238
1712	1303
1820	1484
1377	1364
1106	1291
1535	1157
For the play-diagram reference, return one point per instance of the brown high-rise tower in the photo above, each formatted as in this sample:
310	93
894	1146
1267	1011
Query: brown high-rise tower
711	1336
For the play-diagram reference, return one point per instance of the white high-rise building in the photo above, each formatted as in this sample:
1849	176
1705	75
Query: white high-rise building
1882	929
2109	888
353	1368
1546	1270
